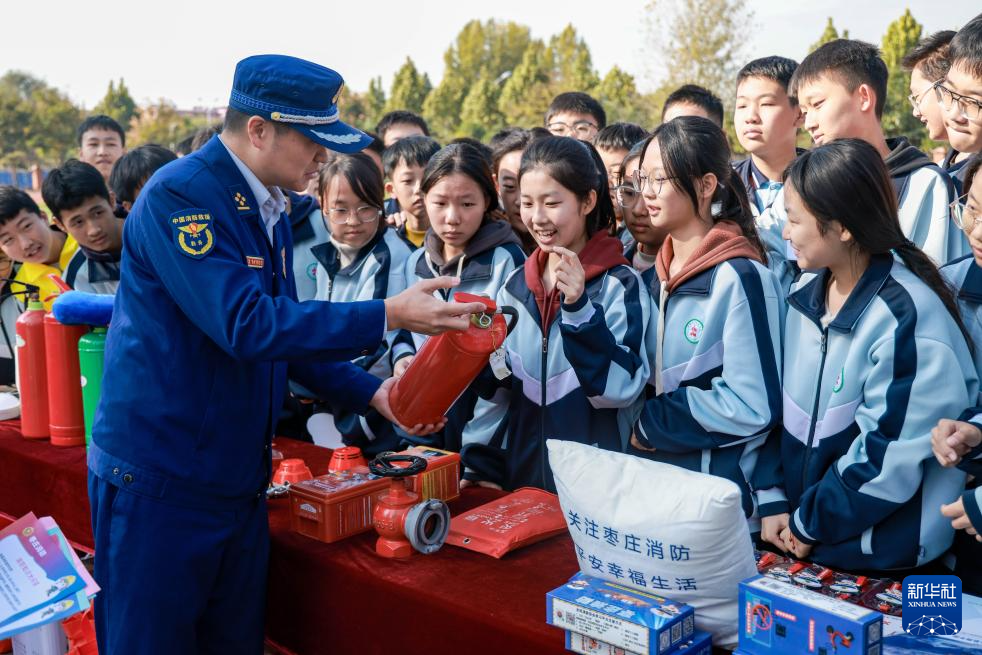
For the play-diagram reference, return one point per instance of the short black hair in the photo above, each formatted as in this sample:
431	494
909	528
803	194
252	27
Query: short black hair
515	139
966	47
849	61
477	145
619	136
501	135
71	184
236	121
400	116
183	147
376	144
412	151
776	68
693	94
931	54
579	103
132	170
100	122
13	201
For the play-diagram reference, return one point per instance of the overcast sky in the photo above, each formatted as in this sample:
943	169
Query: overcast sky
186	50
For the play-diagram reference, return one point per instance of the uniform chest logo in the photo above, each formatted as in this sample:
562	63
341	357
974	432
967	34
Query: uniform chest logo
693	330
193	233
241	203
312	271
840	380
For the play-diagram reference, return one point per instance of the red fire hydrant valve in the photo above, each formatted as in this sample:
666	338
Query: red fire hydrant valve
402	523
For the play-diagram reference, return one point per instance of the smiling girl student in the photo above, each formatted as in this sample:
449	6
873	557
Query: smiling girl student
467	240
364	259
876	355
715	335
577	352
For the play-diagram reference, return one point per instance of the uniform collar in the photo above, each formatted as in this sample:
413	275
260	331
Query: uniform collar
810	299
269	200
971	289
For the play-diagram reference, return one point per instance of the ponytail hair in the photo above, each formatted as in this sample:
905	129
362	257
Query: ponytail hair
692	146
577	166
847	181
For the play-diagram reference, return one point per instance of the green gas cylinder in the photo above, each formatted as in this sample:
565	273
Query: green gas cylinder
91	354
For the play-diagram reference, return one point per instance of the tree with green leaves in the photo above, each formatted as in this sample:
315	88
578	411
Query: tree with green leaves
479	115
700	41
409	89
162	123
901	36
37	122
526	94
374	103
118	104
571	63
622	102
828	34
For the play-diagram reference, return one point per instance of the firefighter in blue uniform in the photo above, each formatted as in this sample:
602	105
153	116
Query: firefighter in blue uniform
206	330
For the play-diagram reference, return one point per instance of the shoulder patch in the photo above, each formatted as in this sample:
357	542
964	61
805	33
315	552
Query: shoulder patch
193	233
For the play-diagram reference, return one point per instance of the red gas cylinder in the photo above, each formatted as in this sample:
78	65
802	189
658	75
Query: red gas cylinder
32	376
65	414
447	363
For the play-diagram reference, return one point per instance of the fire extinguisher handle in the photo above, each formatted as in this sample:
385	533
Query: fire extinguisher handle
512	313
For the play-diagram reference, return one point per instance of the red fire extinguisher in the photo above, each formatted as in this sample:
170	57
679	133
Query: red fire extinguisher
32	376
66	416
446	364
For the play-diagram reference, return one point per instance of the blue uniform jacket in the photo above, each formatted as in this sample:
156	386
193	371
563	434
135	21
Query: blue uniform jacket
860	399
205	327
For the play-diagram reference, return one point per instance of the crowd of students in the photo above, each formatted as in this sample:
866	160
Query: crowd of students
805	323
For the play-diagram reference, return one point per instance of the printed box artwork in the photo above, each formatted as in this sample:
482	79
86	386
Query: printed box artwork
778	618
622	617
700	644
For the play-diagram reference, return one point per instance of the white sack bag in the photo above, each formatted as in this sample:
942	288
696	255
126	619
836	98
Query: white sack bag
657	527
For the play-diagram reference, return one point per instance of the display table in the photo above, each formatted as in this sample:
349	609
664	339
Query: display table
341	598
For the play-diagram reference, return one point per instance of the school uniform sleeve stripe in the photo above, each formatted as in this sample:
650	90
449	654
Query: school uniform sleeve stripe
606	351
73	268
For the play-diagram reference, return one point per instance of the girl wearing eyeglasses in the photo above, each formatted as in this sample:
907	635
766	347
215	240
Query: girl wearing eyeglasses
468	238
714	340
645	239
362	260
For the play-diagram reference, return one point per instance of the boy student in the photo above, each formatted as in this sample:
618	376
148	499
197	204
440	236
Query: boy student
81	205
766	120
960	96
841	90
613	143
693	100
928	64
101	141
398	125
575	114
11	307
404	162
133	169
27	238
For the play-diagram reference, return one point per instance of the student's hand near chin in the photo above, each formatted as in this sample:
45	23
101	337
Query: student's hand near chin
380	401
400	368
952	440
771	528
959	518
570	278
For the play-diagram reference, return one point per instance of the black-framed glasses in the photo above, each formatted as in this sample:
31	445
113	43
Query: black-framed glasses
640	181
915	98
626	195
966	219
970	108
584	130
363	214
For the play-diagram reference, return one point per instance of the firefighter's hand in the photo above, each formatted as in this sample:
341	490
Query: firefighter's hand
417	310
570	278
380	401
951	440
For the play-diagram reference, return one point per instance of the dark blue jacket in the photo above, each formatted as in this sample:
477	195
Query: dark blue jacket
205	330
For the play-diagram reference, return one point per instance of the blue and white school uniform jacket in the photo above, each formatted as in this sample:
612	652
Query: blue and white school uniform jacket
577	379
720	373
308	229
93	272
860	399
923	194
965	276
376	273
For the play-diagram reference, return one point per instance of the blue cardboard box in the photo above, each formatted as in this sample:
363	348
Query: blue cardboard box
700	644
777	618
622	617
